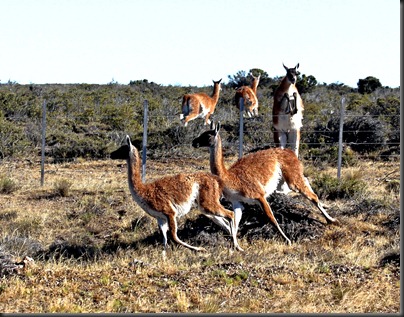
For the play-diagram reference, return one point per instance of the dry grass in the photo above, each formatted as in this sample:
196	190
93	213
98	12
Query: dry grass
96	251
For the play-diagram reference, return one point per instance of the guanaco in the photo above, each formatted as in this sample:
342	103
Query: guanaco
172	197
200	105
256	176
287	112
250	97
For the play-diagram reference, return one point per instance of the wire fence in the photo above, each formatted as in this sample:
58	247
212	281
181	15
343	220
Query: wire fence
308	134
170	120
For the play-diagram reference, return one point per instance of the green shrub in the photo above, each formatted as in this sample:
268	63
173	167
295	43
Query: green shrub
328	155
329	187
68	146
7	185
363	134
13	139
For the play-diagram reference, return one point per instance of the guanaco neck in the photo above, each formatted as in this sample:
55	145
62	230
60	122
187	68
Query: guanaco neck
254	85
134	178
284	86
216	92
285	83
217	166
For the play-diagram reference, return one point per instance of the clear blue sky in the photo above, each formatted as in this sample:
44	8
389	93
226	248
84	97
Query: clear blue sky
192	42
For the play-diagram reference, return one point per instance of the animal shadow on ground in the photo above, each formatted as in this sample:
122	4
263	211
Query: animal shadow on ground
292	213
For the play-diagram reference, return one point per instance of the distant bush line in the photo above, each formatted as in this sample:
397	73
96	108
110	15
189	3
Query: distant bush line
89	121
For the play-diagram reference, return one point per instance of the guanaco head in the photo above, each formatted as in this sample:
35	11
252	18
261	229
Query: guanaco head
256	79
123	153
207	138
217	83
292	73
255	82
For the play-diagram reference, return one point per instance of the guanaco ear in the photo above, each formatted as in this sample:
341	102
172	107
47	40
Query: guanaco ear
297	66
285	67
217	128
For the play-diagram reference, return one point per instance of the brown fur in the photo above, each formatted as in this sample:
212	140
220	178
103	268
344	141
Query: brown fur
250	97
161	198
200	104
256	176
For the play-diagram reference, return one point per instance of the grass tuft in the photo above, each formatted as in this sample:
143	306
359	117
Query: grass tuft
7	185
62	187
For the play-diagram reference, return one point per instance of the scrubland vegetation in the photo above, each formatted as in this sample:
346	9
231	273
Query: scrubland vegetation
95	250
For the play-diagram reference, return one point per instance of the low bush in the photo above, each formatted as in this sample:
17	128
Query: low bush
329	187
62	187
7	185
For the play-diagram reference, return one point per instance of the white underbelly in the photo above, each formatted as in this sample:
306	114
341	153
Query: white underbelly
236	196
181	209
286	122
184	207
272	185
269	188
205	110
296	120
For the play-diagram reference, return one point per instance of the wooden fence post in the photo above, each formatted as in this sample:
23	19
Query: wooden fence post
43	142
241	130
341	128
145	119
